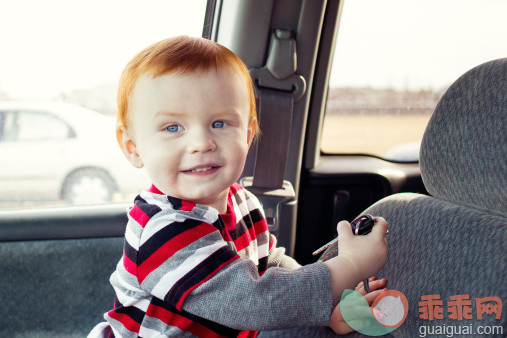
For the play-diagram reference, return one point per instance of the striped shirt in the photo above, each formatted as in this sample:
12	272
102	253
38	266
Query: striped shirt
173	247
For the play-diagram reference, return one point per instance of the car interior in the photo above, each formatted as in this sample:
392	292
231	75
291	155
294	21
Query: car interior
446	212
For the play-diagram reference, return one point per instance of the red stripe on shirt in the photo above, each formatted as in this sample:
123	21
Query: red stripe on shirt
248	334
169	248
260	226
155	190
139	216
125	320
129	265
244	240
236	187
187	206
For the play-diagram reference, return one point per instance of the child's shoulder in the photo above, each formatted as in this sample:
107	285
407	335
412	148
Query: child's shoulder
154	205
147	205
244	201
152	200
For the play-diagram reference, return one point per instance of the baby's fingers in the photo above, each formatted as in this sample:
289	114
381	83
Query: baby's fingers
360	286
344	230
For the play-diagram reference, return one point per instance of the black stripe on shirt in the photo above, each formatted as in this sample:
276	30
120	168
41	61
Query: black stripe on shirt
263	264
164	235
219	224
134	313
249	220
199	273
149	209
130	252
176	202
256	215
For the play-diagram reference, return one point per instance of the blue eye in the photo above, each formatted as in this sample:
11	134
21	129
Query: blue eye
219	124
173	128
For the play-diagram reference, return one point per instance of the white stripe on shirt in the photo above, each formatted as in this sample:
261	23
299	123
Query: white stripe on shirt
167	281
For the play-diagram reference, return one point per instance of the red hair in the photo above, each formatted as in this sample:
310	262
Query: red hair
183	55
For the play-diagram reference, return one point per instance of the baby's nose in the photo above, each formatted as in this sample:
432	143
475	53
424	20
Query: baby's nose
201	143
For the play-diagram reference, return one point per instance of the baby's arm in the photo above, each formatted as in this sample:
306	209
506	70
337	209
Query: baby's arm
359	260
238	297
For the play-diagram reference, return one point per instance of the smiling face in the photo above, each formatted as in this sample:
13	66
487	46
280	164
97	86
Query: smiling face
190	132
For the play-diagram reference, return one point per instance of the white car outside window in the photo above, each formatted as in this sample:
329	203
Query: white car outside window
57	151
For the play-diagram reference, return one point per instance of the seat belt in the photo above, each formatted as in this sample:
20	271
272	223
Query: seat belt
275	119
278	87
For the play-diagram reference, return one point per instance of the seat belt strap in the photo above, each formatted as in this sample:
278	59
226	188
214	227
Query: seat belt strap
278	87
275	120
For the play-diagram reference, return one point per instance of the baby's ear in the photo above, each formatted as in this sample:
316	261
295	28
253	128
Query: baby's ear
128	146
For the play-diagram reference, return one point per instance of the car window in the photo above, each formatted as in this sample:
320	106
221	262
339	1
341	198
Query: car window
393	60
58	94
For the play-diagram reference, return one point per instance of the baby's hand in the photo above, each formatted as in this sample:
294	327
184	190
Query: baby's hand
367	253
359	257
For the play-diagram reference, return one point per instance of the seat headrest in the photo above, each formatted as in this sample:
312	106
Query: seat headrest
463	154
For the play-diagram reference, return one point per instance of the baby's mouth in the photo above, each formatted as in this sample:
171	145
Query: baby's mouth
202	170
198	170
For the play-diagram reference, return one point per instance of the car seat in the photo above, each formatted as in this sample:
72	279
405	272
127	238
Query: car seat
453	242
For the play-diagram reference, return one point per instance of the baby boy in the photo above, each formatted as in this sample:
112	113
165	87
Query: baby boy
198	258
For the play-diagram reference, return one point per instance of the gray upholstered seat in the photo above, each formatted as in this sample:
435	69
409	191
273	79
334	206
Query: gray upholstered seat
454	241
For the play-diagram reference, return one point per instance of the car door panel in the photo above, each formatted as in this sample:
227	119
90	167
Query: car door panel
340	188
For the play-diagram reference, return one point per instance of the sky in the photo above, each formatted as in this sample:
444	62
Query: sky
49	46
416	44
54	46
